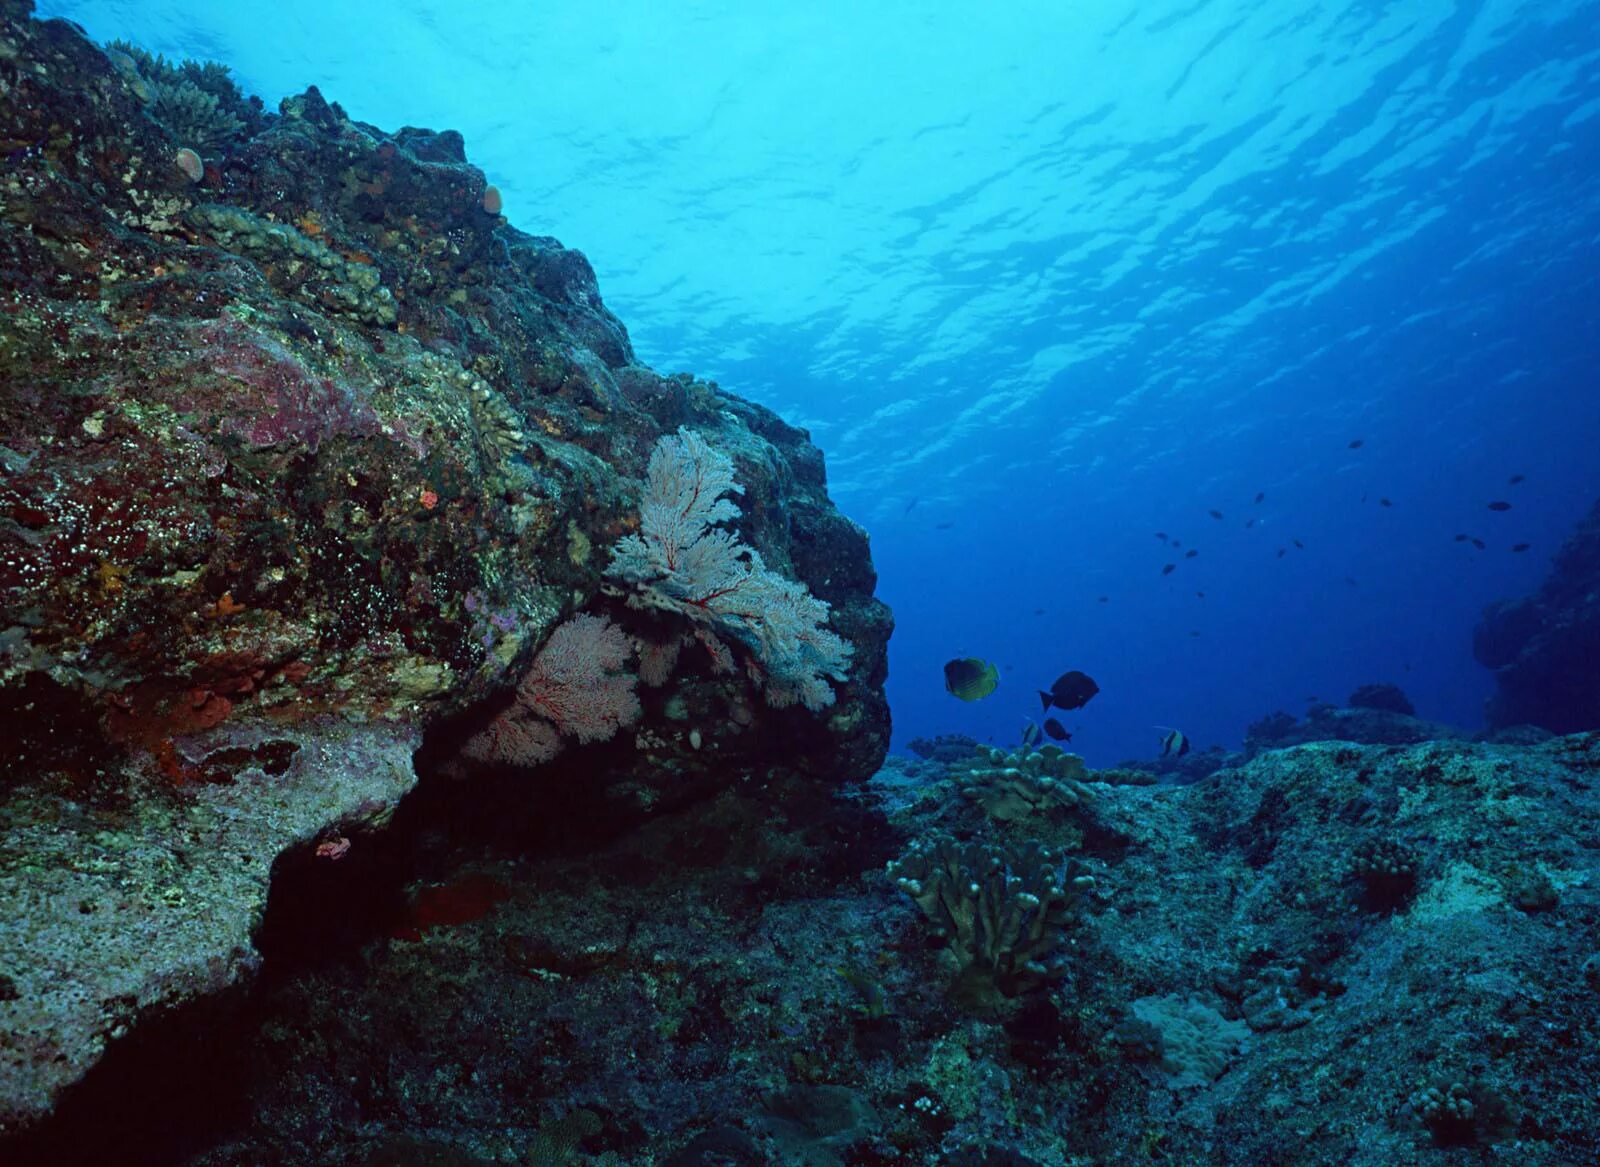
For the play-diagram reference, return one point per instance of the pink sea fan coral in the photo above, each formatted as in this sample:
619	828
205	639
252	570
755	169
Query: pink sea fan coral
578	686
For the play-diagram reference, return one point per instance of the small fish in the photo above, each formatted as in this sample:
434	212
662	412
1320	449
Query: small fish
1282	551
1313	699
1499	506
1351	580
1261	496
1176	543
1194	632
1462	538
1038	611
1032	736
1516	478
1105	599
910	506
1363	496
1056	730
1249	523
1521	546
1162	535
1200	595
1169	568
1215	514
1479	544
1191	553
1298	544
942	526
969	678
1356	444
1174	743
1071	691
1383	502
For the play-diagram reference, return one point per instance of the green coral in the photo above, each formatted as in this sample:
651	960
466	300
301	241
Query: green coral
195	100
1010	787
1003	911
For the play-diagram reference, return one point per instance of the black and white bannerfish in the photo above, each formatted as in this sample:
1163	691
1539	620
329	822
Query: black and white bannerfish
1032	736
1174	743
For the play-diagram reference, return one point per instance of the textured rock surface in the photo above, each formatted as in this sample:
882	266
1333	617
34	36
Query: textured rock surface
299	458
739	982
1545	648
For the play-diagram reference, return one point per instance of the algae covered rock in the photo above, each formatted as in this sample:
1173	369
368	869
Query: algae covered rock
304	453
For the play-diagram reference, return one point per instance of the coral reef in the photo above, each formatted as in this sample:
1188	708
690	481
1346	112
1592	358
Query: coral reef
1545	648
307	457
737	980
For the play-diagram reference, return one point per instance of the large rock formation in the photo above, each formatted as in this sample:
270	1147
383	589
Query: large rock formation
304	451
1545	648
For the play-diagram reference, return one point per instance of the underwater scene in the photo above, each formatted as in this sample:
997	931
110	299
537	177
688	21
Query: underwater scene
709	584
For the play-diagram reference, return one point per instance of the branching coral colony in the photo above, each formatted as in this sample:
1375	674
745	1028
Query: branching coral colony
682	561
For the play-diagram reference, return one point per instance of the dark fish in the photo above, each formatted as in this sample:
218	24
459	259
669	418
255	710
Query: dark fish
1056	730
1383	502
1201	595
1215	514
1516	478
1479	544
1363	496
1194	632
1169	568
942	526
1162	535
1313	699
1499	506
1071	691
1174	743
1105	599
969	678
1351	580
1282	551
1249	522
1176	543
1356	445
1298	544
1462	538
1031	736
1521	546
910	506
1038	611
1190	554
1261	495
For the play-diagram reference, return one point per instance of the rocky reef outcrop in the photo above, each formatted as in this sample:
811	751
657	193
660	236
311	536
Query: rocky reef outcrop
1333	954
305	451
1545	648
1376	715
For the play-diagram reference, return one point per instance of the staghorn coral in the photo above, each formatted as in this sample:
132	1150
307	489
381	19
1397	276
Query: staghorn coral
1002	911
194	100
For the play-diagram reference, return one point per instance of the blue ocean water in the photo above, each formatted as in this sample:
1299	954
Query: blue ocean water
1044	279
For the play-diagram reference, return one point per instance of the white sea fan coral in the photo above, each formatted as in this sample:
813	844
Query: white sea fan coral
682	561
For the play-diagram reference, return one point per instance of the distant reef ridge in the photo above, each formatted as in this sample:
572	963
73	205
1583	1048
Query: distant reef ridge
314	467
1545	648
